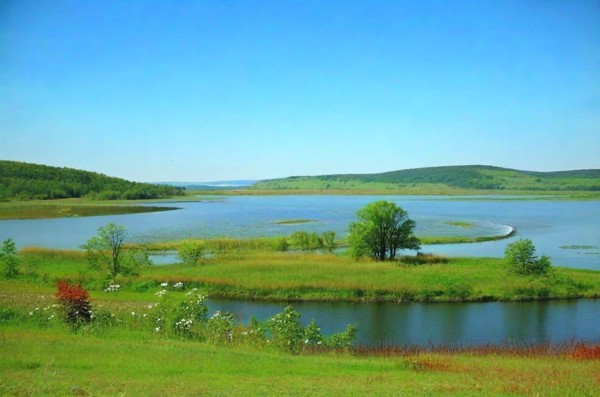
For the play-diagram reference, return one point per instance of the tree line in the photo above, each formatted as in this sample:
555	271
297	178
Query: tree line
26	181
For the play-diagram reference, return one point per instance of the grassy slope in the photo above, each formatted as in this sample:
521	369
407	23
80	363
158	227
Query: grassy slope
449	180
56	362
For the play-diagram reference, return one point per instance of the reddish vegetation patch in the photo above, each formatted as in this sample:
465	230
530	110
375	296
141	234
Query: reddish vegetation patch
74	301
586	352
575	349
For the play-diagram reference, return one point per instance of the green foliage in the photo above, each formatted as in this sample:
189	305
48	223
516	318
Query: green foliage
25	181
191	251
343	340
9	257
382	229
521	259
286	331
219	328
328	239
185	320
104	251
306	241
280	244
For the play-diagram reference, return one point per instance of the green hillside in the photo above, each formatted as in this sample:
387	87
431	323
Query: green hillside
476	177
26	181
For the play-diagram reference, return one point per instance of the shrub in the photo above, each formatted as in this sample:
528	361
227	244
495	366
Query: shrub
343	340
521	259
74	302
219	327
328	241
280	244
286	331
191	251
306	241
184	320
8	255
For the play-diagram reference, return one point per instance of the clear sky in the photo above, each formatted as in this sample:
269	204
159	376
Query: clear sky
208	90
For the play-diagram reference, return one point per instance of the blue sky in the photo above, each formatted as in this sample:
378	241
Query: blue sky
207	90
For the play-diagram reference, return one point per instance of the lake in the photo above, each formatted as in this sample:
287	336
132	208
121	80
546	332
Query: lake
550	224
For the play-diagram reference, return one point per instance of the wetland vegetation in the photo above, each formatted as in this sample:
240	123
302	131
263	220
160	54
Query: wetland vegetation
40	346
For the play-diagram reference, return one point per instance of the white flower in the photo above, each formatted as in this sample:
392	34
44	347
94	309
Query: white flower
164	284
133	313
31	313
157	329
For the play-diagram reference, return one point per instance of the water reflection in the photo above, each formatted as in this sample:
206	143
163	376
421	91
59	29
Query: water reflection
443	323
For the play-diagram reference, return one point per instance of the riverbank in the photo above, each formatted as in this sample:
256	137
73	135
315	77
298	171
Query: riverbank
253	273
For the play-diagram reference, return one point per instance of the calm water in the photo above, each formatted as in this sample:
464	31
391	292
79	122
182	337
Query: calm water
442	323
549	224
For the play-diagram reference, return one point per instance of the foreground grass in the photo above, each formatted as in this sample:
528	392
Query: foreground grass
58	362
257	274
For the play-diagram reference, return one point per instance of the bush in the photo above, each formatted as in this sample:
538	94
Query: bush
280	244
306	241
328	241
219	328
191	251
286	331
74	302
8	255
521	259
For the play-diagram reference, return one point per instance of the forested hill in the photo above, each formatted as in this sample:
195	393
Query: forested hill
456	177
25	181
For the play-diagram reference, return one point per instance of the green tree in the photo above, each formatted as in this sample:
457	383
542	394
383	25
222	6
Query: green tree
521	259
382	229
8	255
105	250
191	251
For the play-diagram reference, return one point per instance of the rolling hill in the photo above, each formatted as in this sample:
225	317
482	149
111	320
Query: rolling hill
26	181
472	177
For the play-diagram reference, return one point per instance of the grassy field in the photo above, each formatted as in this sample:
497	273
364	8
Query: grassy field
58	362
250	272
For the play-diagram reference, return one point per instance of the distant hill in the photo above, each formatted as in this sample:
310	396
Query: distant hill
26	181
478	177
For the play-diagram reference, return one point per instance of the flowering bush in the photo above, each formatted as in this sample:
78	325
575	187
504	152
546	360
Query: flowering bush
183	320
220	327
74	301
286	331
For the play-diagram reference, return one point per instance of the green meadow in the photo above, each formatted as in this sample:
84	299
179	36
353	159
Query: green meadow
55	361
119	352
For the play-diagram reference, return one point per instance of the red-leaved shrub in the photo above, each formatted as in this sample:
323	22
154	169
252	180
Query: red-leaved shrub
74	301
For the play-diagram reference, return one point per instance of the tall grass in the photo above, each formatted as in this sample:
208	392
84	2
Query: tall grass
55	361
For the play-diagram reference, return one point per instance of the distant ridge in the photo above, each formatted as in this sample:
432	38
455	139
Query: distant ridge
480	177
27	181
